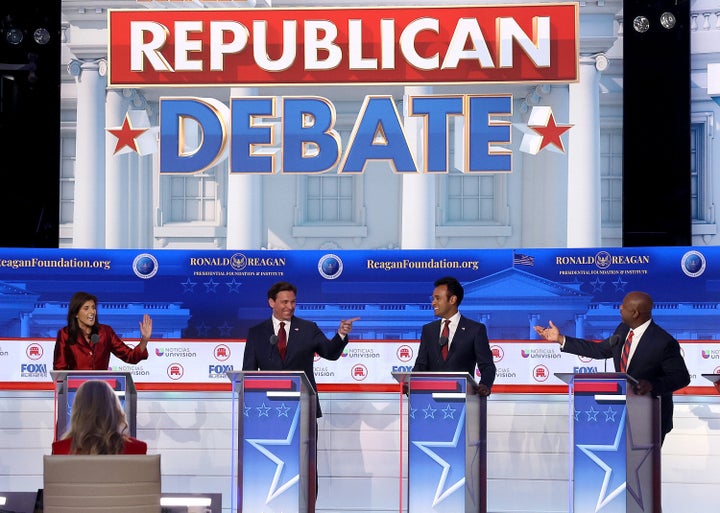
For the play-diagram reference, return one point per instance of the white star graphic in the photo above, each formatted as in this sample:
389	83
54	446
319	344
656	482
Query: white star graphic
635	488
592	414
260	443
609	414
282	410
589	449
441	495
429	411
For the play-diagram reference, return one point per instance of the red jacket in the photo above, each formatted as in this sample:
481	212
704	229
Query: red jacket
83	355
132	446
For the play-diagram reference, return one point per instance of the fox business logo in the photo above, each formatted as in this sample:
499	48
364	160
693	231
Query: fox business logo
33	370
216	371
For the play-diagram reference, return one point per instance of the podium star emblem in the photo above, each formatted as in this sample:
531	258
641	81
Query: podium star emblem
442	491
277	488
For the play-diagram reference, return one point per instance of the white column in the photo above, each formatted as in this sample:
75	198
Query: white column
25	324
244	212
89	196
534	320
117	190
584	193
580	326
418	189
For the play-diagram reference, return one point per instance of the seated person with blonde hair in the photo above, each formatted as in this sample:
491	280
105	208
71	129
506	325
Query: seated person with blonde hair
97	424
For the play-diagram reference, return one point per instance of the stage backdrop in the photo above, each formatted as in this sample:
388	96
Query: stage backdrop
311	126
203	302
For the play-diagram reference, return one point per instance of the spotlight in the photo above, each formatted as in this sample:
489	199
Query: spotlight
641	24
14	36
667	20
41	36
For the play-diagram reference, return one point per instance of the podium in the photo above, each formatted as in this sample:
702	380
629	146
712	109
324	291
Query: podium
712	377
66	383
274	433
614	445
446	442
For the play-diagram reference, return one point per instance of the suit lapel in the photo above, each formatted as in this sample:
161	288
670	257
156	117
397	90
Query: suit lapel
643	346
458	337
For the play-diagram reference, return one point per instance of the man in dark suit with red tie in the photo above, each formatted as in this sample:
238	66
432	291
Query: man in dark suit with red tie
638	347
289	343
454	343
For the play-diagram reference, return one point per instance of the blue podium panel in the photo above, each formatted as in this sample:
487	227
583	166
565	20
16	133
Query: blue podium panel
446	443
614	445
276	437
66	384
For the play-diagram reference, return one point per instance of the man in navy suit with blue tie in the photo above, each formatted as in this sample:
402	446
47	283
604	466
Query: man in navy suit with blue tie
638	347
454	343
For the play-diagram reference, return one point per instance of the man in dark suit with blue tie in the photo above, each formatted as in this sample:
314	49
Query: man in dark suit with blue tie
454	343
638	347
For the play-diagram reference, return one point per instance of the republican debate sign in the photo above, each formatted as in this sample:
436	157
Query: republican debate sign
529	43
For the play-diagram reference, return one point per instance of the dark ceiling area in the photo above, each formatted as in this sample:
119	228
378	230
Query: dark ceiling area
30	122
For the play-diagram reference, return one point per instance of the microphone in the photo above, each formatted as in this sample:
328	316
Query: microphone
94	338
273	339
443	341
614	340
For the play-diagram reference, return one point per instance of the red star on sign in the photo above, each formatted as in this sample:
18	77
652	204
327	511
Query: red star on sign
551	133
126	136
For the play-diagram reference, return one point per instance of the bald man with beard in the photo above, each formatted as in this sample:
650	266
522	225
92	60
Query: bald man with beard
653	356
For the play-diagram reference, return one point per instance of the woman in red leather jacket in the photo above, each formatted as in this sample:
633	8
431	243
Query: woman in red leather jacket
85	344
97	424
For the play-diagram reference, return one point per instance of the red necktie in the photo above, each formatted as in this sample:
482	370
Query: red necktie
445	335
282	341
626	352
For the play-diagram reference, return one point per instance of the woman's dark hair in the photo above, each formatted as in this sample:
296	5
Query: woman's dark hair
76	302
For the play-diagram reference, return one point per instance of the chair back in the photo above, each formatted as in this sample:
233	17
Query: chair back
101	483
